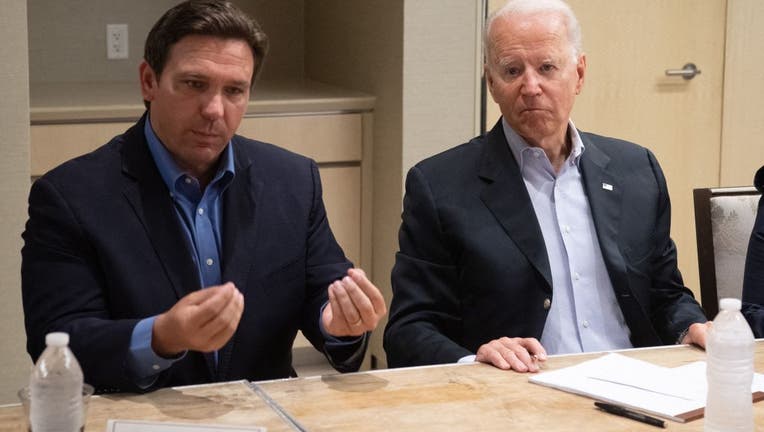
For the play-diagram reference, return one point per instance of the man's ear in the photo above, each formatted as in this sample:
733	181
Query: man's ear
581	71
149	81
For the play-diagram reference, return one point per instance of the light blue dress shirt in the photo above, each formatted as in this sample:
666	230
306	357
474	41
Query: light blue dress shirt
584	315
201	215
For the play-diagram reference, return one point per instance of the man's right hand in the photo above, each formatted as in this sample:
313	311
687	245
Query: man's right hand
520	354
201	321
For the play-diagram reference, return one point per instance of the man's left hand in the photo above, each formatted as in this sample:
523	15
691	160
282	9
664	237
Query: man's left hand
355	306
696	334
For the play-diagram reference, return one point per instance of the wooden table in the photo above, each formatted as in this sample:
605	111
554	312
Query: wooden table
468	397
233	403
472	397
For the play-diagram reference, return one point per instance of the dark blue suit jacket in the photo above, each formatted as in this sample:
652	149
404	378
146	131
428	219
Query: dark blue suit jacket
473	266
103	248
753	281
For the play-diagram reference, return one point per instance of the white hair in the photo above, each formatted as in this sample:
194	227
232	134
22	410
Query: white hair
529	7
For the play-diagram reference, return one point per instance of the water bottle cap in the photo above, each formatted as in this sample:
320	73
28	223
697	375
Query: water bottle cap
730	304
57	339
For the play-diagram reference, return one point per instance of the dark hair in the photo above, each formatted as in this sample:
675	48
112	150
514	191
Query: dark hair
219	18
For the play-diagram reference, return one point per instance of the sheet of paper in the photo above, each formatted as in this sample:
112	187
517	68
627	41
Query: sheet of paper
685	382
675	393
148	426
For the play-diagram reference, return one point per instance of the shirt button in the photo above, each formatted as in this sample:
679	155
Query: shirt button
576	276
585	324
547	303
566	228
200	211
187	180
155	367
209	261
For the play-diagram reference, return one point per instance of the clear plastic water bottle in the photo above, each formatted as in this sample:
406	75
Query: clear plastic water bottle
56	388
729	347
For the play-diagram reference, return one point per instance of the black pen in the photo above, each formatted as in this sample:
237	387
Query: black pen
625	412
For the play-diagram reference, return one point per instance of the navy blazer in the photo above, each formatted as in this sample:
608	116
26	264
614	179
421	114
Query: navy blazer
103	248
473	267
753	279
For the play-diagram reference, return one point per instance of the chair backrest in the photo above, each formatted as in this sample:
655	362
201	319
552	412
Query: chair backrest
724	219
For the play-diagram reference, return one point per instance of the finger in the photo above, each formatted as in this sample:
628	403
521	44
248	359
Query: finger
199	296
487	354
361	303
517	355
349	311
212	306
528	351
337	324
228	326
696	334
371	291
226	320
534	347
515	362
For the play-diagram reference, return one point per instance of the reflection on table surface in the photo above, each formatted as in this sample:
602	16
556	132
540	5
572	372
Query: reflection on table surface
233	403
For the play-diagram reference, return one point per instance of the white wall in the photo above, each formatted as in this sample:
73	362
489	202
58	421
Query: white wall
14	187
442	65
418	57
67	38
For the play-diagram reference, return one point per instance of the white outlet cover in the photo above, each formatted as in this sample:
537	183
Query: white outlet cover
117	41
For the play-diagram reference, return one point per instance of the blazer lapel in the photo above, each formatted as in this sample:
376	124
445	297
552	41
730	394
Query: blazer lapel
507	198
151	201
605	193
239	234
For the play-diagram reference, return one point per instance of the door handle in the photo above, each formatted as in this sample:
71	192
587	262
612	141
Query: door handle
687	72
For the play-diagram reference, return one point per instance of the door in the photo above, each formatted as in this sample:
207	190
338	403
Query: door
629	45
743	125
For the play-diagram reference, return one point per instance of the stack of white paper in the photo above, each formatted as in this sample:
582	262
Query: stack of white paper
676	393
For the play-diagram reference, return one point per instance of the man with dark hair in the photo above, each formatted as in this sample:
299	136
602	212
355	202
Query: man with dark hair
181	253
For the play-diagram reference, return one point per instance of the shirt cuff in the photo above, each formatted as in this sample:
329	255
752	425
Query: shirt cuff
467	359
331	342
142	362
334	340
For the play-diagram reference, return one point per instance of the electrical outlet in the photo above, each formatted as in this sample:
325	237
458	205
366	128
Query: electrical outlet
116	41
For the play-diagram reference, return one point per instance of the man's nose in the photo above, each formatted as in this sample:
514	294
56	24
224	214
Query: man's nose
212	106
531	85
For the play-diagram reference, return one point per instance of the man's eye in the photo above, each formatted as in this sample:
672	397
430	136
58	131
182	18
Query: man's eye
194	84
547	68
513	71
235	91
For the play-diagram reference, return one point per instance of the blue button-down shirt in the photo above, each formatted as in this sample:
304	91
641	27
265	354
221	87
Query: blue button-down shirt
584	315
201	215
200	212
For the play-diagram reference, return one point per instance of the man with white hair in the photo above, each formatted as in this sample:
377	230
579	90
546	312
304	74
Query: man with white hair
536	238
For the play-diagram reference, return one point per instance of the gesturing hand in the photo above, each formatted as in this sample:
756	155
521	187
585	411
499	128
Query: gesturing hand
201	321
520	354
355	306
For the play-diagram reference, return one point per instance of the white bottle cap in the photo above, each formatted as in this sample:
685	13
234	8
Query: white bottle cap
730	304
57	339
